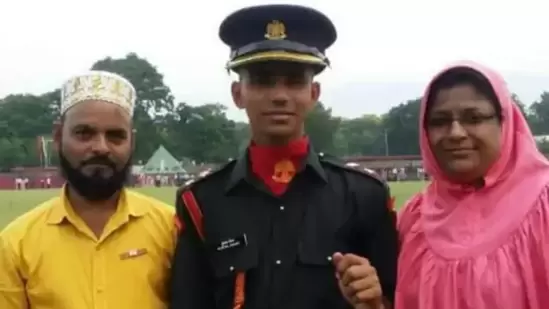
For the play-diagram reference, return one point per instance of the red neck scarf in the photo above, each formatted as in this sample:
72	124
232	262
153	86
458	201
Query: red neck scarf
277	165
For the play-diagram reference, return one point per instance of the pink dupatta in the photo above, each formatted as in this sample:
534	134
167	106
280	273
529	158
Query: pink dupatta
479	248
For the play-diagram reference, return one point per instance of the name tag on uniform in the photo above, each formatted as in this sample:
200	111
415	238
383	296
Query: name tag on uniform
235	242
133	253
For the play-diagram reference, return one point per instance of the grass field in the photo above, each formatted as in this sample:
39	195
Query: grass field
15	203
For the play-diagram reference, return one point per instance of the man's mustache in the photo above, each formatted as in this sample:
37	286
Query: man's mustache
100	160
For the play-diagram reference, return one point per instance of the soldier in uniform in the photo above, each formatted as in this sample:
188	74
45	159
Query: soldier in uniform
282	227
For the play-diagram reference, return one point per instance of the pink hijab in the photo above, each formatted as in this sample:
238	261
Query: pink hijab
459	221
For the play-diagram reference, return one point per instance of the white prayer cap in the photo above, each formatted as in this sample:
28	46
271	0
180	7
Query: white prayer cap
101	86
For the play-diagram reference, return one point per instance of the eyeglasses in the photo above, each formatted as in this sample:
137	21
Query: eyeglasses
465	120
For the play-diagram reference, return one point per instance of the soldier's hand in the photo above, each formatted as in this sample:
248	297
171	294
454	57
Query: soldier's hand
358	281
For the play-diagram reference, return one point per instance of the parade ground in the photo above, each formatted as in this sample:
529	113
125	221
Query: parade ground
15	203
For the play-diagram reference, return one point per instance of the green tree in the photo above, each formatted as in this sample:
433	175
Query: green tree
321	127
539	114
204	133
520	104
12	153
402	125
22	119
361	136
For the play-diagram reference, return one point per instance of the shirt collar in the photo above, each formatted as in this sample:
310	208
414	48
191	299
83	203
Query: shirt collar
127	207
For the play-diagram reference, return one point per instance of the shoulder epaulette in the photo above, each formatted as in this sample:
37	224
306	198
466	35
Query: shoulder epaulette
206	174
337	162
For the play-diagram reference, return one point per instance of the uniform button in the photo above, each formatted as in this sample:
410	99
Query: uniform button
278	262
329	258
321	154
231	268
282	207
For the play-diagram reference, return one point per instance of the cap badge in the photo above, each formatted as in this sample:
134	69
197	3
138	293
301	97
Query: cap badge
275	30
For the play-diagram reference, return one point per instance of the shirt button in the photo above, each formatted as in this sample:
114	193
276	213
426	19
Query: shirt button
99	290
231	268
329	258
278	262
282	207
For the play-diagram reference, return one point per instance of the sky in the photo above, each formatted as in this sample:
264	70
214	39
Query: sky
385	53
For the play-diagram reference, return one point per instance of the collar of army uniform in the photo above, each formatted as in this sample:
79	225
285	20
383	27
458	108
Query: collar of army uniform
242	171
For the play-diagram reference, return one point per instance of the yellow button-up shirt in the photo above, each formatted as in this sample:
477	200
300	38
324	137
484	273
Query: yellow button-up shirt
50	259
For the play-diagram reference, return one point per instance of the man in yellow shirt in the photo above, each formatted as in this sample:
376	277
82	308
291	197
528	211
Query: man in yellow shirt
97	245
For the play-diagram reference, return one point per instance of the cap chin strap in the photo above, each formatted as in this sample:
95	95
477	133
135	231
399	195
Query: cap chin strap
283	50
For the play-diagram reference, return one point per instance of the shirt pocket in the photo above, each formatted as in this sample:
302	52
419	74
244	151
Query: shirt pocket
315	272
226	264
316	252
321	236
231	261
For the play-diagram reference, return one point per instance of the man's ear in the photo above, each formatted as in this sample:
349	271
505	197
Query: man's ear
134	135
315	91
315	94
236	92
57	132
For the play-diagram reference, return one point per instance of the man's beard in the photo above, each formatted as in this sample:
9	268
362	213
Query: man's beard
94	188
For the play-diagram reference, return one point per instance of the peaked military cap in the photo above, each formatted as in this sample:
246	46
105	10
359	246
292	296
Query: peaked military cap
278	33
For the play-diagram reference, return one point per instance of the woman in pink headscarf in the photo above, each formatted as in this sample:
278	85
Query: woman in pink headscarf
478	236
